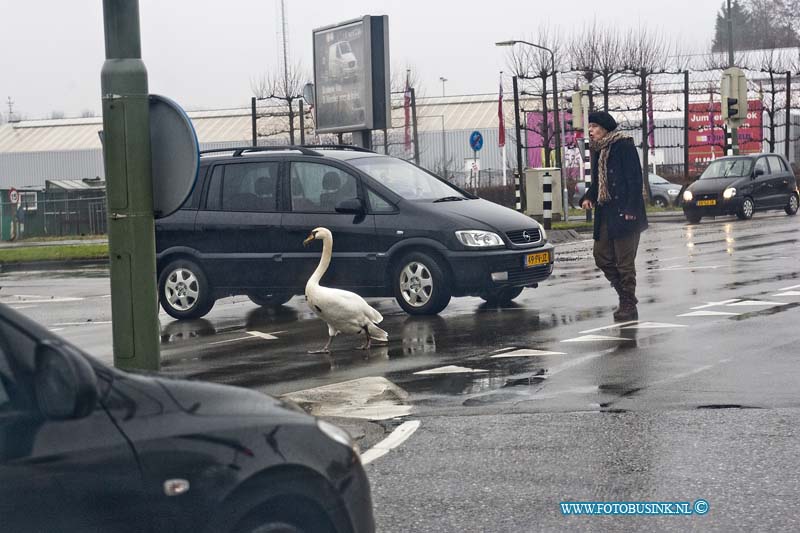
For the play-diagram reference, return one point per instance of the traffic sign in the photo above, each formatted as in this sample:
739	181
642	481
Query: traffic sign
176	155
476	140
13	195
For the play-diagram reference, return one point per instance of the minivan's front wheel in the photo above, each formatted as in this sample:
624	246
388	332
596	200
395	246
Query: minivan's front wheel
791	207
183	290
420	284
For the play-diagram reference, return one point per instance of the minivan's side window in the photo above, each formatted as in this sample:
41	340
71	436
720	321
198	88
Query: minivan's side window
761	163
244	187
318	188
378	204
776	164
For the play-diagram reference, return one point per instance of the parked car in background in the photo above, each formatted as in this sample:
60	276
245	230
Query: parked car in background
398	230
85	447
664	193
742	185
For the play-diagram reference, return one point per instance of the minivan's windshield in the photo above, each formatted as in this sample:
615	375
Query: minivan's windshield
728	168
407	180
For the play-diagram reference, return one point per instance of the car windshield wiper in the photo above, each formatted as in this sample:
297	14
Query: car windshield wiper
450	199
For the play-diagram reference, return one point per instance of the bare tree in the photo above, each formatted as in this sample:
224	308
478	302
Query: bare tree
285	87
609	59
583	55
88	113
56	115
774	63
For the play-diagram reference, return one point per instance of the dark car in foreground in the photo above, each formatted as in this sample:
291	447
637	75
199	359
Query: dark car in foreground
398	230
84	447
742	185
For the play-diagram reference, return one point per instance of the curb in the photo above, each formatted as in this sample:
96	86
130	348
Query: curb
52	265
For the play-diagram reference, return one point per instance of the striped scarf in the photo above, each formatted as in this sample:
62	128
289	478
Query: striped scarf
604	147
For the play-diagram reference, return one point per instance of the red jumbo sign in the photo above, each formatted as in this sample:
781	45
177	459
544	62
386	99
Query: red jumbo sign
707	136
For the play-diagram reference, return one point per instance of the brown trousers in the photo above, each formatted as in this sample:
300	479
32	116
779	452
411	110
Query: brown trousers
617	258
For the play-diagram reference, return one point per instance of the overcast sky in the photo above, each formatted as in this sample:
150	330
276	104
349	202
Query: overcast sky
204	53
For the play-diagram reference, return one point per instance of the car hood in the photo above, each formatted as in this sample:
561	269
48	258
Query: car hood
209	399
716	185
479	214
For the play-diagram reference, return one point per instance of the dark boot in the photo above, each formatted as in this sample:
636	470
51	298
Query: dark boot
627	308
619	291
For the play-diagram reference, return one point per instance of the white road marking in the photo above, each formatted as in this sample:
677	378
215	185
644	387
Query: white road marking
714	304
654	325
233	340
526	353
579	361
756	303
793	287
262	335
789	293
23	306
677	268
395	439
371	398
449	369
84	323
612	326
55	329
596	338
709	313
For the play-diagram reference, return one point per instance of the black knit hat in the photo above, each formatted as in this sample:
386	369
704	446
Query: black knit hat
601	118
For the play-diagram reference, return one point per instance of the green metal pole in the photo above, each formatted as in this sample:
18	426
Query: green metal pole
129	183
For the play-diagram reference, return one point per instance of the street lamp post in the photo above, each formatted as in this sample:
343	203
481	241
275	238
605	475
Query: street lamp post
443	80
556	124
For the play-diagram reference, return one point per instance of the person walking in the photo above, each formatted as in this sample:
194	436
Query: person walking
616	194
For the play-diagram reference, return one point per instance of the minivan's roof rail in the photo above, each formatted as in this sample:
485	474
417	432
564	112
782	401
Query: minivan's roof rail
338	147
238	151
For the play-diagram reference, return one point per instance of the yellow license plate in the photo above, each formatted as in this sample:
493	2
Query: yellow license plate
702	203
542	258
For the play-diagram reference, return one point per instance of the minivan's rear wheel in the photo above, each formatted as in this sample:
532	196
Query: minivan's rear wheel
746	211
183	290
420	284
269	299
501	295
791	207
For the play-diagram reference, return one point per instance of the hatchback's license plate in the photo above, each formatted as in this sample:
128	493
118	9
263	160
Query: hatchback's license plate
702	203
542	258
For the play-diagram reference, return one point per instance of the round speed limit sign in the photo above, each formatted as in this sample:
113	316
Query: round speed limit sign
13	196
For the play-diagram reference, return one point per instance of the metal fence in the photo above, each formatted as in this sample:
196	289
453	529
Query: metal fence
53	217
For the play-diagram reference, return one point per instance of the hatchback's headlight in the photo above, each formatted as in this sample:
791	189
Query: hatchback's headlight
729	193
687	196
479	239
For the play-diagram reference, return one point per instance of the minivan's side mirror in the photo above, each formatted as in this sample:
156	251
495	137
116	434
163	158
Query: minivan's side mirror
758	172
65	384
352	205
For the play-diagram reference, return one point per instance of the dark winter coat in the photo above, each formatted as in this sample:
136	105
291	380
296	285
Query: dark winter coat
625	189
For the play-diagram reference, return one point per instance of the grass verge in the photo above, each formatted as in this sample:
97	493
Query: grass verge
54	253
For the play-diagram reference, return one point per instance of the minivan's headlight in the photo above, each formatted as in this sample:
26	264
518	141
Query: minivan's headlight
729	193
479	239
687	196
544	233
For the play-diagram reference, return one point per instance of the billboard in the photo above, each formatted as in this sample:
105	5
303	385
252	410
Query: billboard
707	136
351	75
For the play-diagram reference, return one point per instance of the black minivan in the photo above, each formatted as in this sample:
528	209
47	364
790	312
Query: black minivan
398	230
85	447
742	185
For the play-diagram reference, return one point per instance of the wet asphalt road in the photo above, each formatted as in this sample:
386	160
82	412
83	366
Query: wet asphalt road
699	399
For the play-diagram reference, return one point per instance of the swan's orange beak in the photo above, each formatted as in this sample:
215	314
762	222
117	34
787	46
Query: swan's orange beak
308	239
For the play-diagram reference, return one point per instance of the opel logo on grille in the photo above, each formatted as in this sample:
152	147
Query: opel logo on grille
526	235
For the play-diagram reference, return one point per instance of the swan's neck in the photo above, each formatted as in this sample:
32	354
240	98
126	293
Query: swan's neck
324	262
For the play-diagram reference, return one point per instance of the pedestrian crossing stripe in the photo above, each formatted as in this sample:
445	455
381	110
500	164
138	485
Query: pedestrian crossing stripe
526	353
789	293
793	287
708	313
755	303
596	338
654	325
450	369
714	304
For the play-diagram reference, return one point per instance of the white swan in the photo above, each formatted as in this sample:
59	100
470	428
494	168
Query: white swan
343	311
